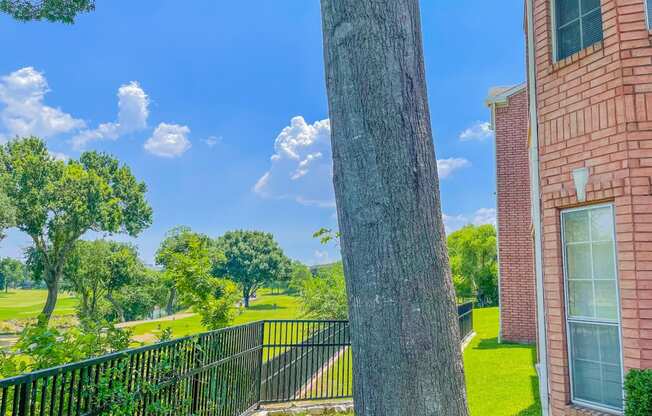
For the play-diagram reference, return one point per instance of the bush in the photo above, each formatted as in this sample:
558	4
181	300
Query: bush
46	346
638	393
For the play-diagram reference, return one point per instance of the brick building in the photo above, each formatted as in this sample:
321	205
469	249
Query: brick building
589	145
509	119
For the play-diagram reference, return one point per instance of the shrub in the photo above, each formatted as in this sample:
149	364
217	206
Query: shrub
638	393
47	346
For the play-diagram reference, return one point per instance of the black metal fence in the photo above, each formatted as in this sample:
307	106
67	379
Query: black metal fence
224	373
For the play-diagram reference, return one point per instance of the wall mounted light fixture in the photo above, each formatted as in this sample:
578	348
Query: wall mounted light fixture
580	179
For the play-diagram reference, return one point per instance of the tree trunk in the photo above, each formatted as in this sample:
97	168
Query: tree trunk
172	299
246	294
116	307
51	301
404	331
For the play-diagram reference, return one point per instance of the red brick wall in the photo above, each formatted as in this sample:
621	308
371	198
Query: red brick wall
515	249
595	111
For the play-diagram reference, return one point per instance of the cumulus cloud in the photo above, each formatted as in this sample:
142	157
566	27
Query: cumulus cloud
480	130
168	140
23	111
301	166
133	111
446	167
480	217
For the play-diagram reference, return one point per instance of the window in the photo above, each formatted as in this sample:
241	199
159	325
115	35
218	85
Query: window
578	24
592	307
648	10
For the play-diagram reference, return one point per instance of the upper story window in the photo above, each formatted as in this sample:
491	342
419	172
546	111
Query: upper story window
578	24
648	10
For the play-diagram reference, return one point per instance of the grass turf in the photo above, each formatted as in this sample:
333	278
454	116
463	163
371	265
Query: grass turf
500	378
267	306
25	304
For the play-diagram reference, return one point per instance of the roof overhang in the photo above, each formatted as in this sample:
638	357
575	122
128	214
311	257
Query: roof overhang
499	97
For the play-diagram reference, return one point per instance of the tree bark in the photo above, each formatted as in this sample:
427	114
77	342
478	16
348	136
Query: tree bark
172	299
246	294
51	301
116	307
404	331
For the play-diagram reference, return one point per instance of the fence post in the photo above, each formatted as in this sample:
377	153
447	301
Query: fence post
195	378
261	341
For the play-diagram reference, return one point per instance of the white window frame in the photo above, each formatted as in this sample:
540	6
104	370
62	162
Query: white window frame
567	321
553	21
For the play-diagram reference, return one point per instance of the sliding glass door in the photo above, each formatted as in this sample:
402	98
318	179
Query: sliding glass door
592	306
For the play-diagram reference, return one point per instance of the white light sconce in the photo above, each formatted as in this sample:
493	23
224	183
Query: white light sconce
581	178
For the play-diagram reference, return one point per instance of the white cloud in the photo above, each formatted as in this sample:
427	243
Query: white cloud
133	111
480	130
445	167
23	111
485	216
59	156
212	141
480	217
168	140
301	166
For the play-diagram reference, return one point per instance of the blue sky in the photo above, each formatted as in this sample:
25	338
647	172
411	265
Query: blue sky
220	107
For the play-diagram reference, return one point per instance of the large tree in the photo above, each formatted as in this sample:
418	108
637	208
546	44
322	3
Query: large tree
188	259
405	338
253	258
474	263
96	271
12	272
57	202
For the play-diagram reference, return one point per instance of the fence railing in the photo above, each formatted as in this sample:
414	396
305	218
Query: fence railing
224	373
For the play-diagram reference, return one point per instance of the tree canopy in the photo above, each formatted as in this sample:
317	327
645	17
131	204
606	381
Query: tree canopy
252	258
12	272
63	11
474	263
188	258
57	202
96	270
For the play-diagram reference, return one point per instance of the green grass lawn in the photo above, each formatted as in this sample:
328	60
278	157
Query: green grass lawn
500	378
267	306
25	304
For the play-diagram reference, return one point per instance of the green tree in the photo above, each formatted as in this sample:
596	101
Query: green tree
57	202
63	11
188	259
7	215
176	243
97	270
253	259
324	295
299	274
142	295
474	263
12	272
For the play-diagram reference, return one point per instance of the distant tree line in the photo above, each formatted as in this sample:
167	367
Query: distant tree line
473	261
